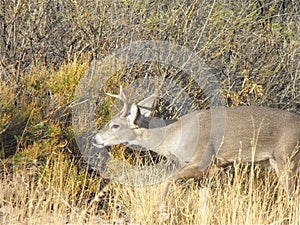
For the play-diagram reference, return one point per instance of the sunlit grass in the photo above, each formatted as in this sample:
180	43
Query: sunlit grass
59	194
43	177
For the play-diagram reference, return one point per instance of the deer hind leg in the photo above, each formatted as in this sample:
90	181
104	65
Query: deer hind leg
288	170
296	169
285	171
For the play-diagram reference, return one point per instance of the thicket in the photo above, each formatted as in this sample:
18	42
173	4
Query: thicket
47	46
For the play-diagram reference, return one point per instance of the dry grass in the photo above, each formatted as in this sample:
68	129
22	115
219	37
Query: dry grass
46	47
58	194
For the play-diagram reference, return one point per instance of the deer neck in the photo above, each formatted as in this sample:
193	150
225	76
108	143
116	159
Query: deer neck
161	140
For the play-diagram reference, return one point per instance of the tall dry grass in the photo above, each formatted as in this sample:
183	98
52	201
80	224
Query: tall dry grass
47	46
59	195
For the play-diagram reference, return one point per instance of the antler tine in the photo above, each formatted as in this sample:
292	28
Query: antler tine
123	98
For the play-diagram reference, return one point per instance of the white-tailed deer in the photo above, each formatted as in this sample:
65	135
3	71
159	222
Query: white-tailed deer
250	134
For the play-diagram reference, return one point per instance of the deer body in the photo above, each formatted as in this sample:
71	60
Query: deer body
196	140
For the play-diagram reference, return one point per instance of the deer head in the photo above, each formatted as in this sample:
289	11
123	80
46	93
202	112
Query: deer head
121	127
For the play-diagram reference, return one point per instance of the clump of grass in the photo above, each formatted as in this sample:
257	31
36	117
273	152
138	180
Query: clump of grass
254	46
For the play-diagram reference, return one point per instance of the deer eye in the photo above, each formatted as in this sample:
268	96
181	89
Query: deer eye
114	126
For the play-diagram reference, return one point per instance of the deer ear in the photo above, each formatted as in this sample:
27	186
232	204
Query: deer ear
147	105
134	113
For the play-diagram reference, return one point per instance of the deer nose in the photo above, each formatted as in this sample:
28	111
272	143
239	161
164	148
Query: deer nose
97	140
93	140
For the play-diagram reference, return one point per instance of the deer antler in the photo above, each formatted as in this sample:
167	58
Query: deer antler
123	98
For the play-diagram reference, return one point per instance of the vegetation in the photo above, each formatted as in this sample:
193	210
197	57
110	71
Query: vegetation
46	47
